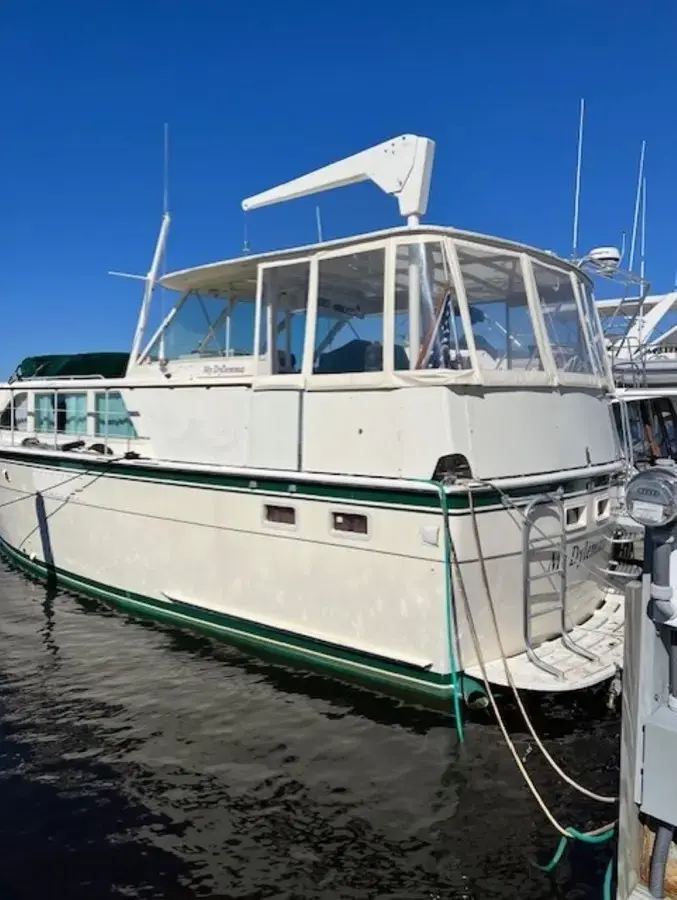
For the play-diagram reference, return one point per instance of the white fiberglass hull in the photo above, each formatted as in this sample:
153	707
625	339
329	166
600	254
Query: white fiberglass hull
192	545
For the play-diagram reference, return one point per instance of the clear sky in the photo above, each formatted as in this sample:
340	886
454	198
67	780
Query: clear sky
258	92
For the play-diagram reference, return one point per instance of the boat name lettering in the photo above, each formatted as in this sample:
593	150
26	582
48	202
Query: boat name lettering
577	555
222	369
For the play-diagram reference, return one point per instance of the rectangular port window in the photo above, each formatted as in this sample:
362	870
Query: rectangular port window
349	523
575	516
280	515
602	508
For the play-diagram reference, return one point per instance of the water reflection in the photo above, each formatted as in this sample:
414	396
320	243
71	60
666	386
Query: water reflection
138	761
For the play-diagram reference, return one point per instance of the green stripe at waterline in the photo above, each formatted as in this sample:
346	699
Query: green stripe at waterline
387	675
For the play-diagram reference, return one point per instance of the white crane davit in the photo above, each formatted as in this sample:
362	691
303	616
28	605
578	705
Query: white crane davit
401	167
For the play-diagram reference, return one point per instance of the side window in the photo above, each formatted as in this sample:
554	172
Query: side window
664	426
65	413
198	327
497	299
285	301
648	444
349	329
44	412
208	325
111	416
239	328
428	328
16	409
638	433
594	327
72	413
563	324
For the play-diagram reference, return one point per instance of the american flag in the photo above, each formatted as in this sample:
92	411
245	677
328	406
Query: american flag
441	340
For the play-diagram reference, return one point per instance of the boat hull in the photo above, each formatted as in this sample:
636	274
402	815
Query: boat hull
193	547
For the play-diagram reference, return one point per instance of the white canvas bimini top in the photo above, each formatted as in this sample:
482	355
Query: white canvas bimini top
240	272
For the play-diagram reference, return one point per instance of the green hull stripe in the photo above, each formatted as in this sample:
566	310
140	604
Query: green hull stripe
286	646
259	482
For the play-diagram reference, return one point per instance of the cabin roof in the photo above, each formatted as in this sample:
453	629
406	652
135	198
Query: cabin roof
240	273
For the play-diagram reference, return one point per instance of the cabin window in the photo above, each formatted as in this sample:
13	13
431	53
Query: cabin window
663	426
19	406
72	413
638	433
209	325
44	412
563	324
111	416
499	312
428	328
349	330
61	412
652	430
285	299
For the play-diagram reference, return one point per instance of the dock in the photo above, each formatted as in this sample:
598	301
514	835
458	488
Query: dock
647	853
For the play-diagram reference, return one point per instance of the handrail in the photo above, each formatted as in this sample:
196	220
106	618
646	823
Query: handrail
92	377
526	577
554	499
18	388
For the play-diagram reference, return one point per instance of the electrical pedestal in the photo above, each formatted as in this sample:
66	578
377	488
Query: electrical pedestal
647	864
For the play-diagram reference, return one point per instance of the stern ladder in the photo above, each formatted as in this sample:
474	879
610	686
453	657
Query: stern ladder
558	543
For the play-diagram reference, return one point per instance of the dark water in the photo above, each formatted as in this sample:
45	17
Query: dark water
141	762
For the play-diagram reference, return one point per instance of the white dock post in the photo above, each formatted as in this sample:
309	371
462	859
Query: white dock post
629	827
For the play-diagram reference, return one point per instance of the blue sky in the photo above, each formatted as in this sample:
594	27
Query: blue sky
259	92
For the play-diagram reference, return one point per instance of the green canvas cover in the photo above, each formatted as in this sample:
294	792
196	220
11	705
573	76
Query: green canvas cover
108	365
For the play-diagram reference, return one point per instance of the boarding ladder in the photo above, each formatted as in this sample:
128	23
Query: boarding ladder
635	362
533	608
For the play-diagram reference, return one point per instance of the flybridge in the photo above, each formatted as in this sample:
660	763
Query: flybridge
519	314
401	167
647	321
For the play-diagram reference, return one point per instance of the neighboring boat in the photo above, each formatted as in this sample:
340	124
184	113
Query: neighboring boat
388	456
641	336
640	333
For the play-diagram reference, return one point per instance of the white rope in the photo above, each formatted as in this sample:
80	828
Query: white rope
567	778
598	575
513	750
508	499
